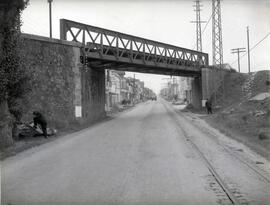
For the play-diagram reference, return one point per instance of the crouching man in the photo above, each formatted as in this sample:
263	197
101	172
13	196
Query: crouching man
39	119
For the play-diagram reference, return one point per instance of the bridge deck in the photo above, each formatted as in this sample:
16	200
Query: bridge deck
106	48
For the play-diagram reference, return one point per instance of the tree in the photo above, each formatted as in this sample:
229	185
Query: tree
13	77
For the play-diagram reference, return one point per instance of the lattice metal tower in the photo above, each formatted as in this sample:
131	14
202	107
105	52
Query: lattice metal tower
198	25
217	47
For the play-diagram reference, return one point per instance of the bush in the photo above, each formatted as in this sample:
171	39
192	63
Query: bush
13	79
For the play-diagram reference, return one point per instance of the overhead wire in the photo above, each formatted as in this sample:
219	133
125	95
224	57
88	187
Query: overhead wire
207	23
253	47
204	28
38	26
27	26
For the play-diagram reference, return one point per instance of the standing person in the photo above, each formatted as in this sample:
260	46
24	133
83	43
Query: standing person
208	106
39	119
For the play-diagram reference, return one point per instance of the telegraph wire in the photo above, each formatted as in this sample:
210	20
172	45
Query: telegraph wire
35	25
207	24
260	41
204	29
253	47
27	26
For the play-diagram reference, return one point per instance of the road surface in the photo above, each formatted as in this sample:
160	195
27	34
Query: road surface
152	154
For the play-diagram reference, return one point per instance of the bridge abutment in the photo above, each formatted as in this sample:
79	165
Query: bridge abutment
212	80
63	89
93	93
196	93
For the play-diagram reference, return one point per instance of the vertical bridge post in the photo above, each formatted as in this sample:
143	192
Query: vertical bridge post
63	29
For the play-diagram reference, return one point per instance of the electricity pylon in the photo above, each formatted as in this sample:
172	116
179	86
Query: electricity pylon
217	46
198	25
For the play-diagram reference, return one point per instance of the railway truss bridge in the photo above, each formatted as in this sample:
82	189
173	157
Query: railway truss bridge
103	48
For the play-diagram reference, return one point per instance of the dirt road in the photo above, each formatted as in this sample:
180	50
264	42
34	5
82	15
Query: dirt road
149	155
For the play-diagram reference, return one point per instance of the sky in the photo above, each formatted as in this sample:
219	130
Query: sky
167	21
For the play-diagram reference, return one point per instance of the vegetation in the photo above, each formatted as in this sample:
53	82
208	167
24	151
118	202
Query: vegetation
13	78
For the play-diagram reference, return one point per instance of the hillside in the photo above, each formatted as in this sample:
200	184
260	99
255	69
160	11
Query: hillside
245	114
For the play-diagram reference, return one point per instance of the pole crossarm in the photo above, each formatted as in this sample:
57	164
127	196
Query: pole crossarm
198	25
238	51
104	44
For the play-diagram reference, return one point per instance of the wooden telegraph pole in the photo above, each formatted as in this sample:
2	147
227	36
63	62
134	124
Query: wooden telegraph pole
248	50
238	51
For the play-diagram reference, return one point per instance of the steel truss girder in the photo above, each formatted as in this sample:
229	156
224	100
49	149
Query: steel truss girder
99	43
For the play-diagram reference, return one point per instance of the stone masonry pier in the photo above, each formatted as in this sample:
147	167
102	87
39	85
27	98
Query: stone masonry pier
62	88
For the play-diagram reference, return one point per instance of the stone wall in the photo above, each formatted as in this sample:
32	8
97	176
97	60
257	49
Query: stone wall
196	93
93	89
58	82
212	79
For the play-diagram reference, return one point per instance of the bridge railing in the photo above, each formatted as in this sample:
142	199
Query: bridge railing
112	45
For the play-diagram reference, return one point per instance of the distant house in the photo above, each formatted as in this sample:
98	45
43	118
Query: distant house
178	88
122	90
185	88
113	88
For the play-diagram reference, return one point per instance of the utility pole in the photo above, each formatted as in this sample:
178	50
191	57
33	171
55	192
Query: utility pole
248	49
217	46
238	51
198	25
50	16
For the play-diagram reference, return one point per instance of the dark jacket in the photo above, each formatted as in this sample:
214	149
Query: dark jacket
208	104
39	119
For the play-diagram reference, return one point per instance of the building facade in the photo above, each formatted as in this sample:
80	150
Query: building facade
121	90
